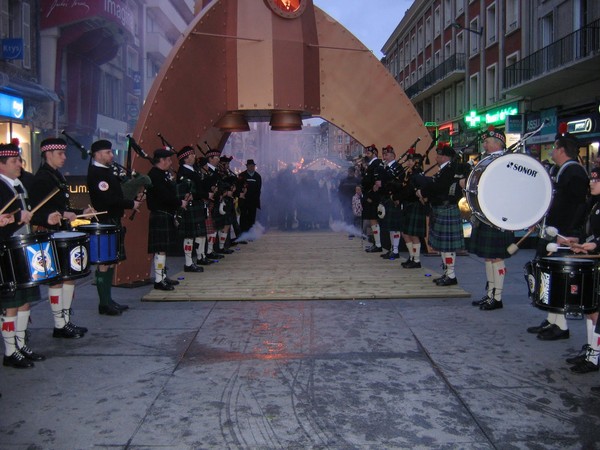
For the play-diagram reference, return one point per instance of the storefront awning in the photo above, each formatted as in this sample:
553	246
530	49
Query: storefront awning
27	89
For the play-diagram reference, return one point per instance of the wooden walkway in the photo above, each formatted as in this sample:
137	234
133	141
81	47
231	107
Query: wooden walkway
305	266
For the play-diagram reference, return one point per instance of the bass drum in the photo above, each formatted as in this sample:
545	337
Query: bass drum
510	192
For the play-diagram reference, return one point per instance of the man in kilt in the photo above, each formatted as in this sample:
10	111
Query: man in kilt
414	213
489	242
14	303
106	194
192	226
164	206
48	178
371	186
391	222
445	225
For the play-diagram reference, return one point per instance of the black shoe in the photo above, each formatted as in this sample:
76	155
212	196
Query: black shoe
109	310
204	262
595	390
162	286
447	282
193	268
119	306
483	300
582	356
67	333
539	328
386	255
585	367
17	360
171	282
214	255
225	251
74	327
438	279
553	333
238	242
393	256
412	264
405	263
33	356
491	304
374	249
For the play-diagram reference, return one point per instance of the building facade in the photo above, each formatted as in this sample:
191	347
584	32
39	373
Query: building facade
468	64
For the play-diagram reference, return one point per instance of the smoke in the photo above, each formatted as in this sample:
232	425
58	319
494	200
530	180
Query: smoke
342	227
254	233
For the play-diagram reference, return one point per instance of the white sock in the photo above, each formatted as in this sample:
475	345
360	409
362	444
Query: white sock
489	275
499	274
188	246
589	327
159	267
449	258
376	235
595	344
55	299
22	322
395	238
409	247
9	326
222	239
211	243
416	252
68	293
560	321
201	243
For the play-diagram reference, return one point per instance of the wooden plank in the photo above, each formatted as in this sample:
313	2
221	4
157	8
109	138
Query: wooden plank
305	266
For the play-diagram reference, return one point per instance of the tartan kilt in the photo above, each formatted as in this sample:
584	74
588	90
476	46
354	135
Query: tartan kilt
19	297
392	221
490	242
210	226
161	233
192	223
414	219
370	211
445	229
220	220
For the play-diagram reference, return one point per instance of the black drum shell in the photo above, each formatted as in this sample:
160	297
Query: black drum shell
66	243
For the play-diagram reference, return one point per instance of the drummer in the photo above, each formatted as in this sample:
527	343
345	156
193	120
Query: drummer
48	178
587	361
15	304
106	194
488	242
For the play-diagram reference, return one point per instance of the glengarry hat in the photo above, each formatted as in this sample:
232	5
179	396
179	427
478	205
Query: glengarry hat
185	152
50	144
162	153
445	149
491	132
9	150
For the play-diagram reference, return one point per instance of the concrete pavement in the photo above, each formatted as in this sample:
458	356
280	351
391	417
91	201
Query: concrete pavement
344	374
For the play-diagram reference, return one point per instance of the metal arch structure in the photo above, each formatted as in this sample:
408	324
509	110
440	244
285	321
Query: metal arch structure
245	56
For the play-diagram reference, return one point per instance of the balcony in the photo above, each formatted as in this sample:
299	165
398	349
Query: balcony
447	73
568	62
157	46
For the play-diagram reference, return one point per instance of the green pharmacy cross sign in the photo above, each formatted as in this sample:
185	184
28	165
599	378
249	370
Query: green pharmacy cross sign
492	117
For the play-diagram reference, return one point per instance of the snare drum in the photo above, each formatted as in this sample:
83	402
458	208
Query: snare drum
28	260
511	192
72	249
104	242
566	285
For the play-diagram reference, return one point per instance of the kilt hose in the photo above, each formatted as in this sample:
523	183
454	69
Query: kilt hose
414	219
489	242
161	233
445	229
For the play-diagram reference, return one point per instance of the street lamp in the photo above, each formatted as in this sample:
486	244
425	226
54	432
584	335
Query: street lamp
458	26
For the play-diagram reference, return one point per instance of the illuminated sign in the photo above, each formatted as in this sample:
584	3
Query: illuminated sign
579	126
11	106
492	117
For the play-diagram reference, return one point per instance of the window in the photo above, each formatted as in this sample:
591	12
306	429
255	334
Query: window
436	59
512	15
406	54
474	38
133	62
460	42
460	98
428	65
26	34
474	91
413	47
420	72
152	69
4	15
437	108
111	96
420	40
447	50
448	104
428	31
460	7
436	22
491	26
491	84
512	58
447	13
547	30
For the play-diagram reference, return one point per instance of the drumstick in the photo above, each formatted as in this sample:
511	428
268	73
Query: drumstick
48	197
514	248
91	214
583	256
8	204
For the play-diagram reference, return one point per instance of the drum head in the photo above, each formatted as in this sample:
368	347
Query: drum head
514	192
67	235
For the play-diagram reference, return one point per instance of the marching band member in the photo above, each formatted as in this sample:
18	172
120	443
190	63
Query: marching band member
571	186
47	178
392	220
106	194
414	217
192	227
15	304
371	185
445	226
163	205
488	242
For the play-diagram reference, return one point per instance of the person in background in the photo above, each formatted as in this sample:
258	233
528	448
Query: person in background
250	202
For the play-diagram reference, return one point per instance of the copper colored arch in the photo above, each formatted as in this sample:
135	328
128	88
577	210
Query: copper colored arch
237	55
